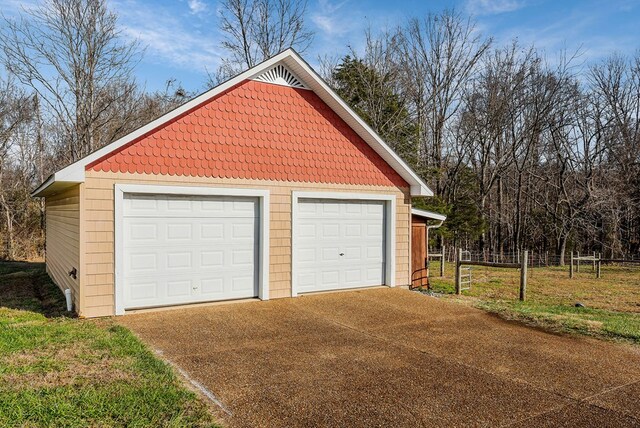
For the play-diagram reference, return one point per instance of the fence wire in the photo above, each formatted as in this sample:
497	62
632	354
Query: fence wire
536	258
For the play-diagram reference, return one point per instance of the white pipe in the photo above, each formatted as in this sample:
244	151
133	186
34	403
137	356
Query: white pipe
67	295
435	226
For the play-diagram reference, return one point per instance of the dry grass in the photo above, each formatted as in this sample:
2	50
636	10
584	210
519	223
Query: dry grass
54	366
58	371
612	303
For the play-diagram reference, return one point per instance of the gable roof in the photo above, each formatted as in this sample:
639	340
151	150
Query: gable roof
75	173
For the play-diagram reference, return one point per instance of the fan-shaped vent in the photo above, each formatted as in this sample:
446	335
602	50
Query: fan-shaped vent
280	75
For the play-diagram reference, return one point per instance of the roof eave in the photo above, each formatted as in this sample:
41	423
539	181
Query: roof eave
54	184
428	214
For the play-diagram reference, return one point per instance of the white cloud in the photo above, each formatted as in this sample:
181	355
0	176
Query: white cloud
197	6
168	37
331	19
493	7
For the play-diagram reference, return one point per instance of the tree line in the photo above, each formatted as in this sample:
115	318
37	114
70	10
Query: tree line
522	151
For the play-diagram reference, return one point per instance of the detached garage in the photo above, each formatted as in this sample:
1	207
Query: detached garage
267	186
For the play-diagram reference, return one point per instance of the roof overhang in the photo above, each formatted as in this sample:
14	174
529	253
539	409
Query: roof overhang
75	173
429	215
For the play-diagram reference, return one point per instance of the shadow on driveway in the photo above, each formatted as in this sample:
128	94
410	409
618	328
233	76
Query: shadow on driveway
390	357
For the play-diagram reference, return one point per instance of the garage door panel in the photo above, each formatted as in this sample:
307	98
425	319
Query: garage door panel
143	290
141	232
339	244
212	286
212	259
179	231
181	249
178	261
211	230
330	278
193	206
181	288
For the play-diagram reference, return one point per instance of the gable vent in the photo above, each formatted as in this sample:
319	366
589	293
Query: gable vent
280	75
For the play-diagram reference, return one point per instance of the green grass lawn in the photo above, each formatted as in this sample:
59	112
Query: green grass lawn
612	303
57	371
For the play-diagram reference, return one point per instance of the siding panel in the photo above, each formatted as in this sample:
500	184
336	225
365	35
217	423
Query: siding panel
98	223
62	213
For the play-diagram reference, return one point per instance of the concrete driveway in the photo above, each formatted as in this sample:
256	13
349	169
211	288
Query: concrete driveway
391	357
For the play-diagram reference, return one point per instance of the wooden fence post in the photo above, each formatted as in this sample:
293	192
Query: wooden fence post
578	261
594	262
442	263
571	266
598	267
459	271
523	276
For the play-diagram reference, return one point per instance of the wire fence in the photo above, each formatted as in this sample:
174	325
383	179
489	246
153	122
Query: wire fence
536	258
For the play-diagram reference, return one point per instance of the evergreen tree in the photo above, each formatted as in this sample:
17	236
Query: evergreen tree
371	95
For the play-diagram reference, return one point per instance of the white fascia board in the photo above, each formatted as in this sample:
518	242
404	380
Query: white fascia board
428	214
49	181
76	171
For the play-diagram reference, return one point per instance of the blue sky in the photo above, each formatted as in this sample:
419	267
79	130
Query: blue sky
182	38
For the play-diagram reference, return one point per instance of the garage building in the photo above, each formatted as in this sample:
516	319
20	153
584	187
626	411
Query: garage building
267	186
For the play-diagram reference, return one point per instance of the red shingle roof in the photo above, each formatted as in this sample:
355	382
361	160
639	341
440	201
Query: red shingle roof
257	131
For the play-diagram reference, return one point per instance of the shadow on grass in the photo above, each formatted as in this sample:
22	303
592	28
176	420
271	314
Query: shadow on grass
26	286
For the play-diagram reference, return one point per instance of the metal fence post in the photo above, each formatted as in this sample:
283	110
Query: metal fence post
571	266
442	262
578	261
459	271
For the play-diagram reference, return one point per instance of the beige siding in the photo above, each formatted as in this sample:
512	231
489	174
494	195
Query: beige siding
98	282
63	243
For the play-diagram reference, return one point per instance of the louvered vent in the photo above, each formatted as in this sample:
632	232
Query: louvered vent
280	75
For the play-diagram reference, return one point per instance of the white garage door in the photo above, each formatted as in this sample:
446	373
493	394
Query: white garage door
186	249
339	244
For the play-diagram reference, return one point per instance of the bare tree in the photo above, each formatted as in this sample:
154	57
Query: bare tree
440	54
71	54
15	113
258	29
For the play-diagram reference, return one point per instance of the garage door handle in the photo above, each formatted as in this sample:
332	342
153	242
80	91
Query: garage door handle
342	254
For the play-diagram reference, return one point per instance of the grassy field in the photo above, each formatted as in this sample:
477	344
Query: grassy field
57	371
612	303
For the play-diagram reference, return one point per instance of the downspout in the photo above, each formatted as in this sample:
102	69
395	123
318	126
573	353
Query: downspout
426	243
435	226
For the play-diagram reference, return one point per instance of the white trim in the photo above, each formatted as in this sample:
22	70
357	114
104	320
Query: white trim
48	182
428	214
390	228
280	75
121	189
75	173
